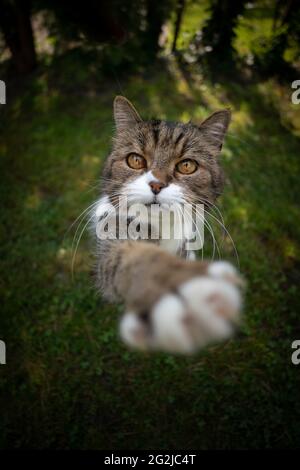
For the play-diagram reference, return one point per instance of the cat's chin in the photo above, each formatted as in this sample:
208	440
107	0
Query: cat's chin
161	205
164	205
148	202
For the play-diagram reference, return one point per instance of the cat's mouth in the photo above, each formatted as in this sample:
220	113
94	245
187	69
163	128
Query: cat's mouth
154	201
157	203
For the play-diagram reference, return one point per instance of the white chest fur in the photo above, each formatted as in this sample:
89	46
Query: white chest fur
168	226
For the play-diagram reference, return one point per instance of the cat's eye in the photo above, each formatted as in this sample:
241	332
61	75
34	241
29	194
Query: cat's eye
136	162
186	167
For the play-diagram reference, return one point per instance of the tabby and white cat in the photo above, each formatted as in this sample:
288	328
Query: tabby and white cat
172	303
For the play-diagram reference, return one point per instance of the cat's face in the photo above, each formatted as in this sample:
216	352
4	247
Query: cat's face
164	163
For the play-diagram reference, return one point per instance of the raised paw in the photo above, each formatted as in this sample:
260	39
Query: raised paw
203	309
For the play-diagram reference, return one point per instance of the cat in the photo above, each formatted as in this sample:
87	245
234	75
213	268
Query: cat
173	303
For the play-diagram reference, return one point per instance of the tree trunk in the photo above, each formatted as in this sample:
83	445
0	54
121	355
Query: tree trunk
157	13
218	32
179	13
17	30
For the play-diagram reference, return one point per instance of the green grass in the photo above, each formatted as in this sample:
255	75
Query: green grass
69	382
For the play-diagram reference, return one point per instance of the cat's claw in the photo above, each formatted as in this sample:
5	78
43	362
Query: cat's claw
204	309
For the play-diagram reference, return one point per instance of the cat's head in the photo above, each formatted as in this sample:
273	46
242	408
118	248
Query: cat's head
164	162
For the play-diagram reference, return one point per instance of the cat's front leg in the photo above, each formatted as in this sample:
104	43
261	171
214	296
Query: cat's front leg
203	309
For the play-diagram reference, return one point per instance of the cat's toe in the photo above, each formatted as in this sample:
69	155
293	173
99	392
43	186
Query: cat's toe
133	331
226	271
215	305
170	328
204	309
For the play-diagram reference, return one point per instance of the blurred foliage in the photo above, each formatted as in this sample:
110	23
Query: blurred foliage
219	31
125	35
130	28
69	382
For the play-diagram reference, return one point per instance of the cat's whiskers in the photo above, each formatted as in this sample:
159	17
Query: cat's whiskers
210	229
207	225
193	224
228	234
178	209
98	182
221	223
82	216
118	197
205	201
214	207
77	244
86	213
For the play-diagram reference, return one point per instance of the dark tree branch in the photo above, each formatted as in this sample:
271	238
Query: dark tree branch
179	14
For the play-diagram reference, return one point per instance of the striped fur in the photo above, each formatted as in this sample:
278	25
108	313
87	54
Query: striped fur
139	273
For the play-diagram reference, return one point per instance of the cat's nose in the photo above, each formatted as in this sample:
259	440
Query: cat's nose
156	186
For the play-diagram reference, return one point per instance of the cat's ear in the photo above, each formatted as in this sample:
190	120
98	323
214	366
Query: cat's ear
125	114
215	126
